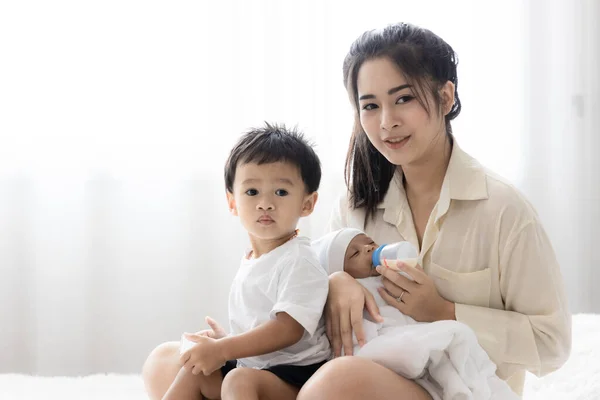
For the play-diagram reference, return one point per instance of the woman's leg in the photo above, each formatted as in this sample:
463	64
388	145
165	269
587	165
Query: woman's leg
160	369
356	378
255	384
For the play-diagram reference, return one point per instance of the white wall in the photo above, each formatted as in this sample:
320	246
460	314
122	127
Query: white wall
116	118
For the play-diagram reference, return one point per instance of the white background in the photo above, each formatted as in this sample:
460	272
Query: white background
116	118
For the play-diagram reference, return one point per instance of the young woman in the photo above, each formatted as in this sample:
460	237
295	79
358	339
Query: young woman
485	258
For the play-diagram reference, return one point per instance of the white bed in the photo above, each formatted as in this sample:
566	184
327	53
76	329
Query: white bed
579	379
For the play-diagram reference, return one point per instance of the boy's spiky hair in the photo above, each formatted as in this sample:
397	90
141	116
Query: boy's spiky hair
275	143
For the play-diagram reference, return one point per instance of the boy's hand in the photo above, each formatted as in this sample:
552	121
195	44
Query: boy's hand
216	331
206	356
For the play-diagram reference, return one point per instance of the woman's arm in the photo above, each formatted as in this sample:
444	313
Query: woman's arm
346	301
534	330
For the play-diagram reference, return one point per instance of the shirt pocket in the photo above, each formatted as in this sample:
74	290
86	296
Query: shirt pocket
472	288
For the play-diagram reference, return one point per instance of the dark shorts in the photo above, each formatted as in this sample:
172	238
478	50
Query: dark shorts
295	375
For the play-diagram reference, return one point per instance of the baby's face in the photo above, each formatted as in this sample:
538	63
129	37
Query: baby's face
357	260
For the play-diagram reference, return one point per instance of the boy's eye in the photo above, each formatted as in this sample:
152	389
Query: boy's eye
281	192
251	192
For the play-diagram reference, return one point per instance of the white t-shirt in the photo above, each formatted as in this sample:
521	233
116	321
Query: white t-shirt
287	279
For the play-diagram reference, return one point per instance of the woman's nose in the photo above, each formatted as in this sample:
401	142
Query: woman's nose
388	120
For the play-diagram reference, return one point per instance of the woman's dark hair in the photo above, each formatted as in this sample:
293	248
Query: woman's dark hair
427	63
275	143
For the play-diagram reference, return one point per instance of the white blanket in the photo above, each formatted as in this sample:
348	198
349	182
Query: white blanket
577	380
444	356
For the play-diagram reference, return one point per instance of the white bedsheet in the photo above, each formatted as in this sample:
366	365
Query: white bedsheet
579	379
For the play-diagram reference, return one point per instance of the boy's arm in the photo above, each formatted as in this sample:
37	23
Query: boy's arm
302	292
273	335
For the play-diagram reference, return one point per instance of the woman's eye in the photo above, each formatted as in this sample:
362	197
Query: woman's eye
281	192
404	99
251	192
369	107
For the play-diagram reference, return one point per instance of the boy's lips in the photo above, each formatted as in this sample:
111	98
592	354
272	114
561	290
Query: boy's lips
265	219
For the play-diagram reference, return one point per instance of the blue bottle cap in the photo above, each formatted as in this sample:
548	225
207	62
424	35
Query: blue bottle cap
375	256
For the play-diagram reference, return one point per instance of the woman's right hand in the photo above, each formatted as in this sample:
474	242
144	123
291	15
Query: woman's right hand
344	312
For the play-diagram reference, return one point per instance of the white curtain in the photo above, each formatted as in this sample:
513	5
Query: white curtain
116	118
561	151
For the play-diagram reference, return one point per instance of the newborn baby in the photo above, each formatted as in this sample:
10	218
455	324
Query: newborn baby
351	250
444	357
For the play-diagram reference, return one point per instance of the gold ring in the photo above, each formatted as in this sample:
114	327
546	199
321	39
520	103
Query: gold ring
399	298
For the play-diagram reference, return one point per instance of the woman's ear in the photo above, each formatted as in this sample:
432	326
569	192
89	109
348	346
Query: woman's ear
308	205
231	203
447	95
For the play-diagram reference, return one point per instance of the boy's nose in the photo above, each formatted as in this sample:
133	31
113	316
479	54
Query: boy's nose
265	206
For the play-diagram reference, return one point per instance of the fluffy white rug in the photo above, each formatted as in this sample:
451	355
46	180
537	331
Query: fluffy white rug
92	387
579	379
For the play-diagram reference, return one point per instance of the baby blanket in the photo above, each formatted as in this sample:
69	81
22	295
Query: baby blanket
443	356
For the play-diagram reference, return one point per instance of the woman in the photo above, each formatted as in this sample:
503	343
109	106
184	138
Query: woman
486	260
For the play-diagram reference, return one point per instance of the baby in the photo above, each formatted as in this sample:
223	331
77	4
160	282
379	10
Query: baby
444	357
351	250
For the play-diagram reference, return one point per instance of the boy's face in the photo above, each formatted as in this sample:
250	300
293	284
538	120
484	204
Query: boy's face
358	258
270	199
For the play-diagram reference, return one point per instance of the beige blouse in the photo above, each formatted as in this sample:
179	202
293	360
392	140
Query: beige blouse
485	249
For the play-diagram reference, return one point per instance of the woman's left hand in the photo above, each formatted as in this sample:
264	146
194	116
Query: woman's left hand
418	299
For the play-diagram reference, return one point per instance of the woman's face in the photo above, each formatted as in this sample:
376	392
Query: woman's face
392	117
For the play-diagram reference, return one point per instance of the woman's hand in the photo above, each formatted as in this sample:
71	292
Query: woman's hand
344	312
418	299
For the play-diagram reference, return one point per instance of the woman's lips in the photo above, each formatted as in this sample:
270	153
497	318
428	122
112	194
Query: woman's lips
395	144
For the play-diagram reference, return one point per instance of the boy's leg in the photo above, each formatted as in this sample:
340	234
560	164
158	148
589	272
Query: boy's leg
195	387
160	369
249	383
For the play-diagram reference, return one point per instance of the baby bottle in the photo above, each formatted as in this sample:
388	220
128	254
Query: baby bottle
389	254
